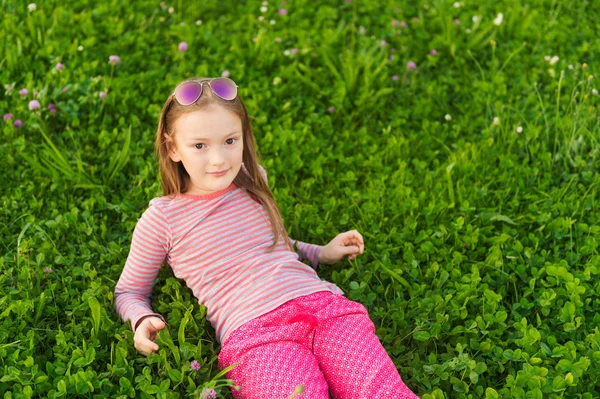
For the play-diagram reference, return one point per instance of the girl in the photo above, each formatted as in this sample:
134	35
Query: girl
215	226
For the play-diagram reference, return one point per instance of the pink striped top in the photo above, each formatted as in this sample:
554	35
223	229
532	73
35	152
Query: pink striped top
217	244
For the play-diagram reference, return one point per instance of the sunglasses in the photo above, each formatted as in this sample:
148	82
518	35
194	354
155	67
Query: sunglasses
189	91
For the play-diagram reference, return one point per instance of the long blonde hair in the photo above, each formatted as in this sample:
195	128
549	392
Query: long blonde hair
174	177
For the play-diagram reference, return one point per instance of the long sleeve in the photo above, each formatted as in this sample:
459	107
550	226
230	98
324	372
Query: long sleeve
308	251
149	247
305	250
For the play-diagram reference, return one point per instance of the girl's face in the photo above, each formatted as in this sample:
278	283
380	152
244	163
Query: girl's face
208	141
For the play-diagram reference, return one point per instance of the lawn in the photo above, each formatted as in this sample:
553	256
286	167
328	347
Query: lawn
461	139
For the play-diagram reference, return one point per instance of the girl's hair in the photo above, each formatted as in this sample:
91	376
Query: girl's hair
174	177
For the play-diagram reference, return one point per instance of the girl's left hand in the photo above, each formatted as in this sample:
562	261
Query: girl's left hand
349	243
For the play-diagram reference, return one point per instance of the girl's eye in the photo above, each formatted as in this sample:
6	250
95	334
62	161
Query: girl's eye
196	145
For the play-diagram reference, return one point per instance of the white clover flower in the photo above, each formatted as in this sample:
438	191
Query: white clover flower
457	4
467	30
554	60
80	48
519	129
261	18
199	22
272	22
286	52
276	80
570	66
496	121
448	117
265	3
31	7
498	20
171	10
547	58
594	92
476	18
264	9
551	72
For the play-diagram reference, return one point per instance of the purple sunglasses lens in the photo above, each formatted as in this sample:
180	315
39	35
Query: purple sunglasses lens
224	88
188	93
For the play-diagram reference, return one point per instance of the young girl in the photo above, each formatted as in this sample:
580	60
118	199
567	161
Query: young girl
215	226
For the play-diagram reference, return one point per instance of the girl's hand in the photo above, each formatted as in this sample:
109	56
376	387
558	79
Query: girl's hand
349	243
145	334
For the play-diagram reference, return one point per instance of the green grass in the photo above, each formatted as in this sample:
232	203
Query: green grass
481	264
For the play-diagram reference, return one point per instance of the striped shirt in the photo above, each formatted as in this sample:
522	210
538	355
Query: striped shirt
217	244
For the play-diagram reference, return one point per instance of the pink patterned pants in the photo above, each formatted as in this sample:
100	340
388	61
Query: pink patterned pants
324	341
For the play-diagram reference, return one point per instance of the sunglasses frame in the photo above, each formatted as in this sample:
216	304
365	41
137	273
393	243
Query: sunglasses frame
201	83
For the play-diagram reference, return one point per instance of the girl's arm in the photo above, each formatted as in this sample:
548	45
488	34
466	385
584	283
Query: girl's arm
149	246
305	250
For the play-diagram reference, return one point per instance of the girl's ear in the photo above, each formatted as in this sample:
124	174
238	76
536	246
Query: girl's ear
171	149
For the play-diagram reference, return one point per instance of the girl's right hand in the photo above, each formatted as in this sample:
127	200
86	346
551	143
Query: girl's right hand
145	334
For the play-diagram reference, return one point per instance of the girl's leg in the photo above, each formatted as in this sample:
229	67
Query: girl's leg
274	370
355	364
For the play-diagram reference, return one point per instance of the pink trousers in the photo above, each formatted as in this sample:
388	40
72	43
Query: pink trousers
323	341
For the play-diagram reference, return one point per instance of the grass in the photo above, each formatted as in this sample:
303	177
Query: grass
473	179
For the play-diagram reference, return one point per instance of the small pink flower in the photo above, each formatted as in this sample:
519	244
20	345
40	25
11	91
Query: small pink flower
209	393
195	365
393	50
331	109
433	52
456	21
59	66
415	19
52	108
34	104
411	65
47	270
283	11
64	90
395	77
102	95
183	46
114	59
403	24
225	73
23	92
395	22
18	123
391	57
294	50
7	117
362	30
383	42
